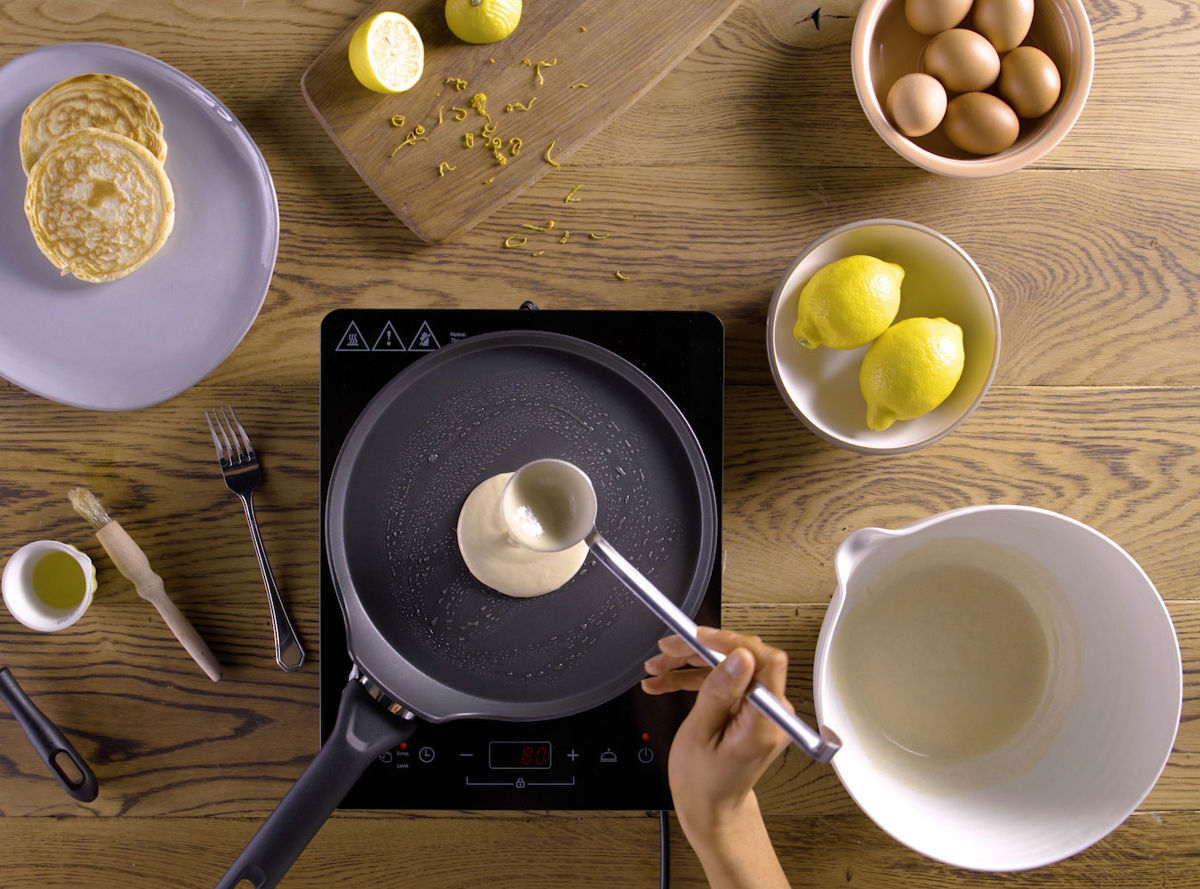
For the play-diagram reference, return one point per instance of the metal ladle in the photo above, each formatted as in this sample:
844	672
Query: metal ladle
550	505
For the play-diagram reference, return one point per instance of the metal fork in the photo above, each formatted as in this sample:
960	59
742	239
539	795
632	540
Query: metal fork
240	469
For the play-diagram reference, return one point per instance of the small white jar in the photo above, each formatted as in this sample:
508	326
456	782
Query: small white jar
26	589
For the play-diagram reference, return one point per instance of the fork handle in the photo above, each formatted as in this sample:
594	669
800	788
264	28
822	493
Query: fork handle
288	653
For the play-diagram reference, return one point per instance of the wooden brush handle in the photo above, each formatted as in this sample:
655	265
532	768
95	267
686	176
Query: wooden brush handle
132	562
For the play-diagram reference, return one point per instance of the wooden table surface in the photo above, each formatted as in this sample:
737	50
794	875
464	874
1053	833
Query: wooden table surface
710	184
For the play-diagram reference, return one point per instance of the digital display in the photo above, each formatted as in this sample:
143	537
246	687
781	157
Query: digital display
519	754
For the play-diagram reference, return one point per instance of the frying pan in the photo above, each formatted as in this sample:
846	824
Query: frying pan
429	642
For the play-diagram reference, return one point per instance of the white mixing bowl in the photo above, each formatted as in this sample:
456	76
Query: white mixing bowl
1097	744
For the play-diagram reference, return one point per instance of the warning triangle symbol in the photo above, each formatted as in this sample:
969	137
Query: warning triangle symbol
424	341
388	340
352	340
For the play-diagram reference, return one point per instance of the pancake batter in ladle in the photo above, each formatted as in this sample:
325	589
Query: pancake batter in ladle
499	560
550	506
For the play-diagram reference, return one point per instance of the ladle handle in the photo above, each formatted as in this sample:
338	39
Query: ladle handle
817	745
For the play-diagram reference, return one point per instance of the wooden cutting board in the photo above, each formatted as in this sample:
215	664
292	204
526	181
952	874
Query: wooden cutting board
618	48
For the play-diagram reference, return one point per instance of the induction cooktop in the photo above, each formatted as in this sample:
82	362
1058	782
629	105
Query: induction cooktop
610	757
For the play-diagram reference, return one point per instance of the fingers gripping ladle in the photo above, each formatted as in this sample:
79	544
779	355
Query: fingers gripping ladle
550	505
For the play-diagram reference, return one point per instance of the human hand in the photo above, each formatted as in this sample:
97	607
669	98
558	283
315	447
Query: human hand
724	745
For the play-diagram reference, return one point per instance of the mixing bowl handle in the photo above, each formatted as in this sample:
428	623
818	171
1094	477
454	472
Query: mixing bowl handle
46	738
363	731
821	746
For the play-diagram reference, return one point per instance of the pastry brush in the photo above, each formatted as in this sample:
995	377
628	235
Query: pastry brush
133	564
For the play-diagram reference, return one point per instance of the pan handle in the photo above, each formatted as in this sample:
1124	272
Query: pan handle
46	738
363	731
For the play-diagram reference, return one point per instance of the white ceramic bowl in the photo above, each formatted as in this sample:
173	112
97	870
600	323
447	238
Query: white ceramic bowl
1097	743
884	48
821	385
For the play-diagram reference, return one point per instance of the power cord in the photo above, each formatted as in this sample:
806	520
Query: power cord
664	849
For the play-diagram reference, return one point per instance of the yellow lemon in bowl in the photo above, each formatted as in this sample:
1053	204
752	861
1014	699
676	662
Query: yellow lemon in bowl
848	302
482	21
387	54
911	369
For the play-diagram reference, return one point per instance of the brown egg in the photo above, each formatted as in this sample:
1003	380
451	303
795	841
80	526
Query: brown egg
962	60
916	104
934	16
980	123
1029	81
1003	22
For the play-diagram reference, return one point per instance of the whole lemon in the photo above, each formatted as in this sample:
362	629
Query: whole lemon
911	369
482	21
848	302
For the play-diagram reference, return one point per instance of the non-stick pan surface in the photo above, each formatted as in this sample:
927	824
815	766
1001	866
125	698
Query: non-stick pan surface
420	629
418	623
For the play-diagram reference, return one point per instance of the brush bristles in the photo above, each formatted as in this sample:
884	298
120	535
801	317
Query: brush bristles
88	505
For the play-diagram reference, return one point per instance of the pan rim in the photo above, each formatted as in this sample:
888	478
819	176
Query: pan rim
369	649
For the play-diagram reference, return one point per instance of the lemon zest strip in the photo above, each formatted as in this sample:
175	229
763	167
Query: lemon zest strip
620	277
537	253
551	161
570	198
411	139
580	85
510	244
539	228
397	120
520	106
444	166
457	82
566	234
596	237
468	140
514	145
538	70
459	113
479	103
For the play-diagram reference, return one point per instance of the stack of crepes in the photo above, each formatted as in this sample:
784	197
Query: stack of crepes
98	198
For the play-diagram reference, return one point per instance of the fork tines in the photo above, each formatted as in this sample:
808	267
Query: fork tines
226	430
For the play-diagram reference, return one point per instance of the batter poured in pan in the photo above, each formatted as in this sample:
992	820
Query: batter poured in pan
496	560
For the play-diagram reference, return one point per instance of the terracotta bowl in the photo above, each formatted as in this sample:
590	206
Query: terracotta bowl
884	48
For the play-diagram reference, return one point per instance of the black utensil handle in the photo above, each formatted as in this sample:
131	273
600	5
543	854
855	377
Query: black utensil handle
46	738
363	731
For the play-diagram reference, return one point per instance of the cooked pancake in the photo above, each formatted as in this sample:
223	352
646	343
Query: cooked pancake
103	101
99	204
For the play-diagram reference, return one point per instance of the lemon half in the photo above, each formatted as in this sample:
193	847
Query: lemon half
387	54
911	369
482	21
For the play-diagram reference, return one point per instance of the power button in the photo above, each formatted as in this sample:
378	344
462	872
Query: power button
645	755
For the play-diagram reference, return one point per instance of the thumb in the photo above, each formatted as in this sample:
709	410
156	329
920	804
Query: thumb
722	690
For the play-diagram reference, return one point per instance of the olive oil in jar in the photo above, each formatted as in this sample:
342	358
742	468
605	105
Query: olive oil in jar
58	581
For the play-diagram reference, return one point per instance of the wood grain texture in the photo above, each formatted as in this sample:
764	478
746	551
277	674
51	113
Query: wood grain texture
596	851
709	186
599	57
